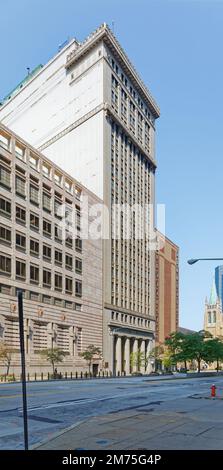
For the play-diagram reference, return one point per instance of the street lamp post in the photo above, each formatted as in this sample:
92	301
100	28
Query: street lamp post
193	261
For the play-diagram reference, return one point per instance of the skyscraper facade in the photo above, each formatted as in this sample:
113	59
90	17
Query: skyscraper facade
88	111
219	283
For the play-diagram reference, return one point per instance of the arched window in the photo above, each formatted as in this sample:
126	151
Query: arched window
214	317
209	317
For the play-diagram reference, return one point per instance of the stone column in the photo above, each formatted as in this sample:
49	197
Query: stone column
143	350
135	350
118	355
148	345
127	356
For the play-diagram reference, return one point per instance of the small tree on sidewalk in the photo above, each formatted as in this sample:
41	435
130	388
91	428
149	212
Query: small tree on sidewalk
54	356
89	355
139	359
6	356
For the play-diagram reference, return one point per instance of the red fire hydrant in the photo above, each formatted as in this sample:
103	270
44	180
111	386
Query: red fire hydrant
213	390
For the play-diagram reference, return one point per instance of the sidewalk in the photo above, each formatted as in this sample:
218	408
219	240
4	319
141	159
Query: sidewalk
187	423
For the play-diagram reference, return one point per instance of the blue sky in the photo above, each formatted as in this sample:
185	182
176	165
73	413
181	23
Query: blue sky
176	45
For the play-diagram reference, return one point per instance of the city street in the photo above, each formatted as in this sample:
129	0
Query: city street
167	413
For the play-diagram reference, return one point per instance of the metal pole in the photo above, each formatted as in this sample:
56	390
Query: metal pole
23	366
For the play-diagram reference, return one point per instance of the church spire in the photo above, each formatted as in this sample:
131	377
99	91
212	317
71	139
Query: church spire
213	297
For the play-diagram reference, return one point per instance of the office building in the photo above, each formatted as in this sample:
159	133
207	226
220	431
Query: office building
89	112
61	277
167	290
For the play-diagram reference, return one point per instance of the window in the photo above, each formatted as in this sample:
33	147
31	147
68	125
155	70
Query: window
20	241
69	241
78	244
34	194
34	247
46	228
46	202
78	307
46	170
58	257
68	285
5	234
20	151
68	186
78	265
34	274
34	222
214	317
46	299
68	304
209	317
34	161
58	208
20	186
5	265
34	296
4	140
46	278
5	207
68	261
58	233
78	288
58	178
20	215
47	252
58	282
5	177
20	270
5	289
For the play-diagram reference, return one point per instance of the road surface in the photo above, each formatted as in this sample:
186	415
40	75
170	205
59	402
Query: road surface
56	405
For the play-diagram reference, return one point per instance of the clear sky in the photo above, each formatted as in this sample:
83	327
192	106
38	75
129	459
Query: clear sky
176	45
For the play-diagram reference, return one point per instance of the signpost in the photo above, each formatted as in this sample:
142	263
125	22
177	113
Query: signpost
23	368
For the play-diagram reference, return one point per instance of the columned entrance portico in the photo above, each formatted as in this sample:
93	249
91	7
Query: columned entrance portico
124	344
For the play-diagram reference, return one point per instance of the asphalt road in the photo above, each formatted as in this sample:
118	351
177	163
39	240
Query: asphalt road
54	406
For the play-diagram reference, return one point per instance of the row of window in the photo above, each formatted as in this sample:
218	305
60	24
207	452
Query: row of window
60	259
34	224
124	318
39	165
37	297
61	283
130	88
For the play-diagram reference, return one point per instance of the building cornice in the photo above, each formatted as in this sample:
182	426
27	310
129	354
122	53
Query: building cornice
103	33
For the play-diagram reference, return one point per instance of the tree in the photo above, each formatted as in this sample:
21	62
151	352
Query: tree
89	355
157	354
189	347
54	356
214	351
6	355
139	359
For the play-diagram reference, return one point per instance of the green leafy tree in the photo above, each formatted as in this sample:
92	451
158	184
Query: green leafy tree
214	351
189	347
157	354
6	355
89	355
54	356
139	359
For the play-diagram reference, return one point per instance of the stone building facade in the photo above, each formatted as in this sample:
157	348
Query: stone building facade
61	277
167	290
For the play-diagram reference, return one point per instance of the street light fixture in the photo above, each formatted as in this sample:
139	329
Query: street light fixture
193	261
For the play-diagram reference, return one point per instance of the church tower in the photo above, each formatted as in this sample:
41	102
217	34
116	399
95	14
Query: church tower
213	316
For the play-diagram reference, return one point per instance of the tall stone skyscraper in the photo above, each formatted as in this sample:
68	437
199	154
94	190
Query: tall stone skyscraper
89	112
